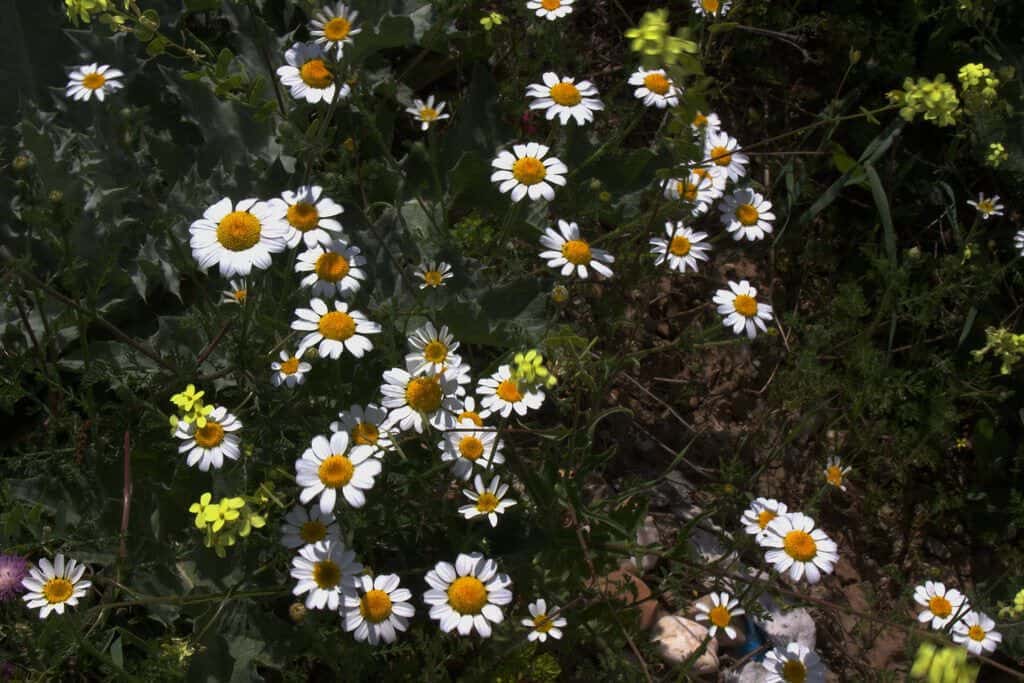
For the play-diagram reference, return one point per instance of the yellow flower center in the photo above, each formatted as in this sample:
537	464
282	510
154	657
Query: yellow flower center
687	190
471	416
834	475
576	252
471	447
239	230
745	305
986	206
337	325
550	5
721	156
940	606
424	394
719	616
209	435
657	83
709	5
326	574
794	671
529	170
303	216
467	595
680	246
764	517
336	471
976	633
365	434
290	366
700	120
240	295
508	391
747	214
337	29
487	502
542	623
800	546
313	531
435	351
375	606
432	278
93	81
315	74
566	94
428	114
57	590
331	267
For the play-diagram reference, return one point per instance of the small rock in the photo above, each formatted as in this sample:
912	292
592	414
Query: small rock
752	672
709	547
678	638
630	589
788	626
738	623
647	534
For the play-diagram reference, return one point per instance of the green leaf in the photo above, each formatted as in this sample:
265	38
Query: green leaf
723	26
882	204
157	46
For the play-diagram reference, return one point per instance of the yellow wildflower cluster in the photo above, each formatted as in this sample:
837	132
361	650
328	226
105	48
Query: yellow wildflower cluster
948	665
935	99
996	154
491	20
190	403
225	522
651	38
1016	610
1009	347
977	86
528	368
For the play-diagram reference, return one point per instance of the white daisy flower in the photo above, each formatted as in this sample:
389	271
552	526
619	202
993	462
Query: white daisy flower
569	252
741	308
93	79
327	571
543	622
379	610
365	427
333	26
469	412
746	214
795	663
1018	241
551	9
307	76
655	88
711	8
462	374
720	150
311	216
502	394
525	171
207	446
706	124
332	271
463	446
975	632
238	237
433	274
432	351
53	586
290	370
987	207
329	464
681	249
467	596
415	400
335	331
835	472
304	526
488	501
797	548
564	98
427	112
760	513
696	189
723	609
940	604
238	294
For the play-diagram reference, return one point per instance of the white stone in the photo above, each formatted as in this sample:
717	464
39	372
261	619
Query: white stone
785	627
677	638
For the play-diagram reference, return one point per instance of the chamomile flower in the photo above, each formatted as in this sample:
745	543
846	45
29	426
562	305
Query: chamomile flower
207	446
238	294
975	632
290	370
334	331
655	88
433	274
415	400
720	613
524	171
711	8
365	427
304	526
940	604
796	663
488	501
465	447
550	9
334	270
564	98
747	215
720	150
696	190
307	76
502	394
312	216
469	412
835	472
93	79
987	207
53	586
543	622
427	112
332	27
1018	242
567	251
681	248
741	308
326	571
238	237
329	465
378	610
467	596
760	513
797	548
431	350
706	124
